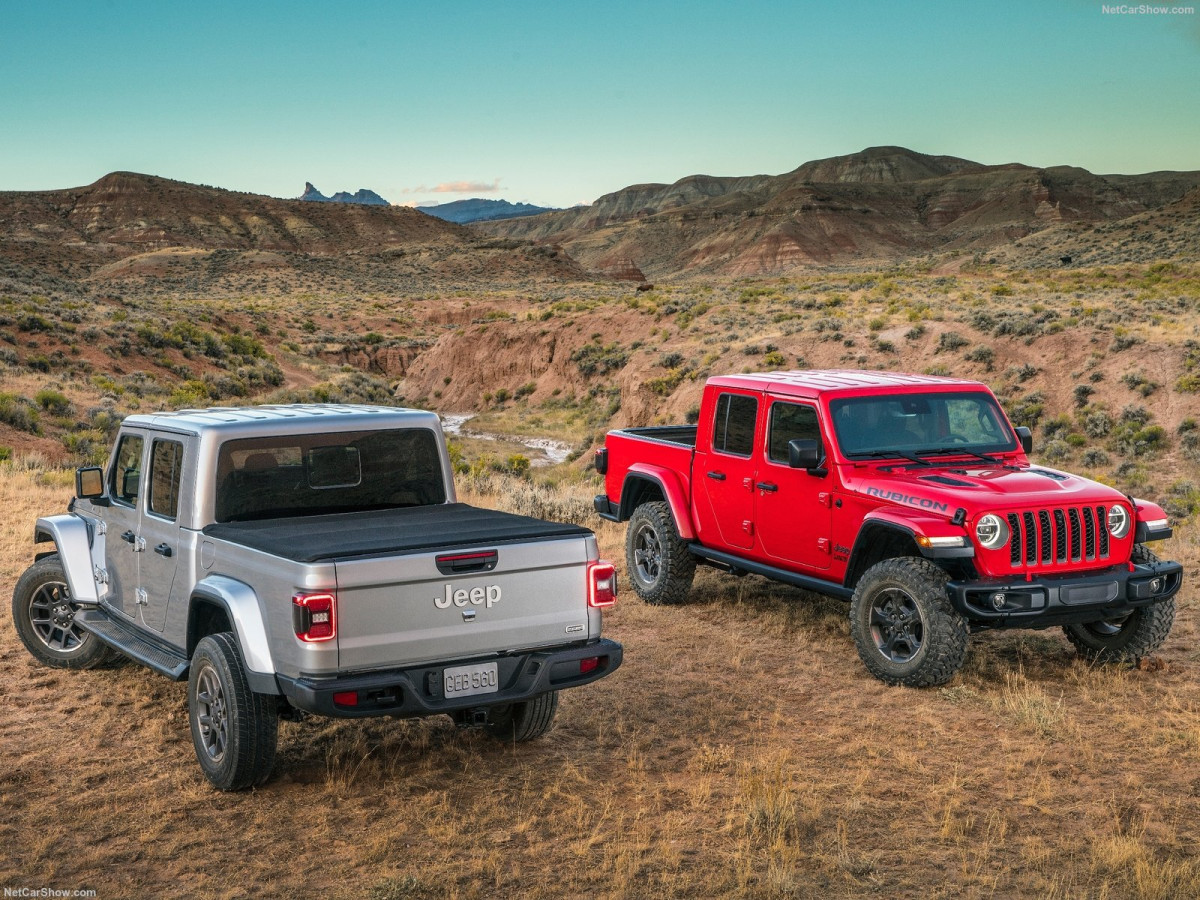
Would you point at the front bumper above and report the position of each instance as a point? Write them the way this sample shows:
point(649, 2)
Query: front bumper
point(417, 691)
point(1065, 600)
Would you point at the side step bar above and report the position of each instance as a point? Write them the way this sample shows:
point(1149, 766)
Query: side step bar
point(122, 637)
point(738, 565)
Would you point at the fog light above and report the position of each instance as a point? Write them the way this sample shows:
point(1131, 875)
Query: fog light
point(998, 601)
point(1156, 586)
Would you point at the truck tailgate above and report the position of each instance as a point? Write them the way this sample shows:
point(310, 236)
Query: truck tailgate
point(403, 610)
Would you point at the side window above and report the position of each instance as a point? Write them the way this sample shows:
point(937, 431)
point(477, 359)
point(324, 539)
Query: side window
point(166, 465)
point(126, 476)
point(733, 426)
point(789, 422)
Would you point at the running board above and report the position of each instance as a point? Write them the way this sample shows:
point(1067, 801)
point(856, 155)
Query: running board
point(740, 564)
point(126, 639)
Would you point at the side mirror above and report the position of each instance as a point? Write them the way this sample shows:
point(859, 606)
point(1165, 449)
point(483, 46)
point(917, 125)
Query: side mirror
point(89, 482)
point(804, 453)
point(1025, 436)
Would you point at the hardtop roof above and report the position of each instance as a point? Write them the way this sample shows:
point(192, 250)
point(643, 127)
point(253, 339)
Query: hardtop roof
point(815, 382)
point(285, 417)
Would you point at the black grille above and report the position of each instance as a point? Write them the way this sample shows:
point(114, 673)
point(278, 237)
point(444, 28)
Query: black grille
point(1049, 536)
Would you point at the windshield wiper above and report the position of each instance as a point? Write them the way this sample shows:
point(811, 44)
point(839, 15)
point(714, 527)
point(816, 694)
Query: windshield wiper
point(891, 454)
point(961, 451)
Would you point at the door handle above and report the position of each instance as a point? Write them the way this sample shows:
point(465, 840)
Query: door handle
point(716, 476)
point(766, 486)
point(128, 537)
point(163, 550)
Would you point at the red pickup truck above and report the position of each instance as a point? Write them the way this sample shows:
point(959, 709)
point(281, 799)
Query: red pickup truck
point(911, 496)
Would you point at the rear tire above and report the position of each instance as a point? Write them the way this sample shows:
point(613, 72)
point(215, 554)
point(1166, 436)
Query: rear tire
point(1128, 639)
point(234, 730)
point(44, 614)
point(904, 626)
point(523, 721)
point(657, 559)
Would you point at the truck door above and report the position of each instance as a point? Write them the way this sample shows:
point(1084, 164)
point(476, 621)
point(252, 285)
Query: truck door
point(723, 470)
point(121, 522)
point(793, 508)
point(159, 529)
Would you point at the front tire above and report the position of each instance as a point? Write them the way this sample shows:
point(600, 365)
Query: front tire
point(904, 626)
point(523, 721)
point(657, 559)
point(44, 614)
point(1128, 639)
point(234, 730)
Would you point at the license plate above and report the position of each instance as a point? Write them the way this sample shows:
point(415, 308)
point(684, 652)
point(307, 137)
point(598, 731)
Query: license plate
point(463, 681)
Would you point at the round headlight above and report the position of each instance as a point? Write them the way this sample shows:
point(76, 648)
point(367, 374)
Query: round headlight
point(1118, 521)
point(992, 531)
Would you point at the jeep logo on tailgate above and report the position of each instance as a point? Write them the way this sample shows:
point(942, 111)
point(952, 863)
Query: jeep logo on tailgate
point(478, 596)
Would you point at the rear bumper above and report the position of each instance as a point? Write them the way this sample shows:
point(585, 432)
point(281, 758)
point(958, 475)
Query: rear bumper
point(1065, 600)
point(417, 691)
point(606, 508)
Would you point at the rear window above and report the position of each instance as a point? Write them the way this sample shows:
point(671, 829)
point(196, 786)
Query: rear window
point(313, 474)
point(733, 424)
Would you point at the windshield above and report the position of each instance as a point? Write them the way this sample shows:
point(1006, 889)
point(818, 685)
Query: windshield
point(916, 424)
point(312, 474)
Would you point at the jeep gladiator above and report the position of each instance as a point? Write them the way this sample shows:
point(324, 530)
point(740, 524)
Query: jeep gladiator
point(910, 496)
point(312, 558)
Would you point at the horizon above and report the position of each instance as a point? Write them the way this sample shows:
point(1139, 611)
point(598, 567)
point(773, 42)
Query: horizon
point(556, 107)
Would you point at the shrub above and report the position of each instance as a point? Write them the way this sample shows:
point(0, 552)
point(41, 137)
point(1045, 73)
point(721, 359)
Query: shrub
point(52, 401)
point(597, 359)
point(774, 358)
point(525, 390)
point(1095, 458)
point(951, 340)
point(19, 413)
point(5, 453)
point(1081, 393)
point(985, 355)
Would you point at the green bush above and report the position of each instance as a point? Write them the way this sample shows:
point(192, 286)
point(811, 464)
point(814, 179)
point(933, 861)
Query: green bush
point(19, 413)
point(52, 401)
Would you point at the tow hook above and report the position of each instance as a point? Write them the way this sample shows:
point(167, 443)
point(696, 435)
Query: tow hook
point(472, 718)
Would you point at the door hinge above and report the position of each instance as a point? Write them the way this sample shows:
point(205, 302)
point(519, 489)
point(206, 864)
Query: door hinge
point(748, 483)
point(824, 499)
point(101, 575)
point(747, 526)
point(139, 545)
point(140, 597)
point(823, 544)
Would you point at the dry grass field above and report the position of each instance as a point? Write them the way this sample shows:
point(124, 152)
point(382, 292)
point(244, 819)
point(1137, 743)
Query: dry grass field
point(741, 750)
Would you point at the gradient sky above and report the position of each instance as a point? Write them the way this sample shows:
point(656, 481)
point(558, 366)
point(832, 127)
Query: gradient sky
point(557, 103)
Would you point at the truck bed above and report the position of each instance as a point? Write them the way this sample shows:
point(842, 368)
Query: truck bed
point(672, 434)
point(417, 529)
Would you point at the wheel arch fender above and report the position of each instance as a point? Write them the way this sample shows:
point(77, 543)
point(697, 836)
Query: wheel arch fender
point(642, 476)
point(886, 534)
point(71, 538)
point(240, 604)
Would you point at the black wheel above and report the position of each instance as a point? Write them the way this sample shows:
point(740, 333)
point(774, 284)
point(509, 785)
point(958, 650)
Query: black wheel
point(45, 618)
point(1129, 638)
point(523, 721)
point(234, 730)
point(656, 557)
point(903, 625)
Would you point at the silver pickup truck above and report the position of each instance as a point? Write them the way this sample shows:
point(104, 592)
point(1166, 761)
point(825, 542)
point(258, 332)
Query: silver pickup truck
point(313, 558)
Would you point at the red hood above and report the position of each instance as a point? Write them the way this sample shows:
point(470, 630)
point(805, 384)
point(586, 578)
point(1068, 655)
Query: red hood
point(977, 488)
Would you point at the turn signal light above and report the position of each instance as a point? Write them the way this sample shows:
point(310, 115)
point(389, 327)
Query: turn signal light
point(602, 584)
point(314, 617)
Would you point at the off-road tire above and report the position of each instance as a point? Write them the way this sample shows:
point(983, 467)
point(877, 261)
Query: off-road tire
point(517, 722)
point(44, 615)
point(905, 599)
point(237, 750)
point(1130, 639)
point(657, 559)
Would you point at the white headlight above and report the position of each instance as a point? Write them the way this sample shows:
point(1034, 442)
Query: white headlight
point(1118, 520)
point(992, 531)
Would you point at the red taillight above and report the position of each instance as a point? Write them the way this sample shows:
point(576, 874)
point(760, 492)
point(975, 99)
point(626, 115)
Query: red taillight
point(591, 664)
point(314, 617)
point(602, 584)
point(346, 698)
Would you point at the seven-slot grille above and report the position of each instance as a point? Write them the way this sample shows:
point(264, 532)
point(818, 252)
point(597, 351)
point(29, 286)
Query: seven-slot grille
point(1058, 536)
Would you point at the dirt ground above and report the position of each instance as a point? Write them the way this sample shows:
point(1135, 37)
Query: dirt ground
point(742, 750)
